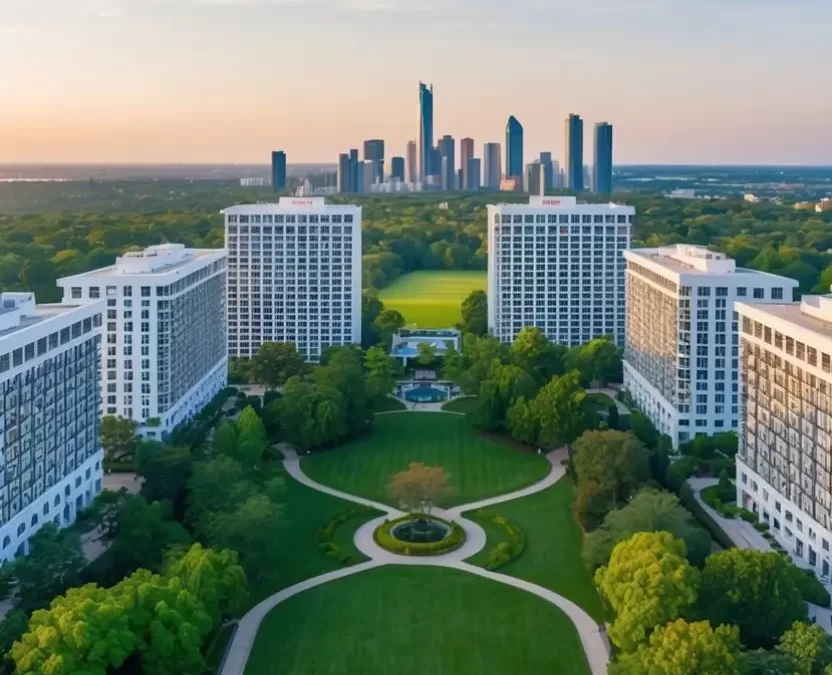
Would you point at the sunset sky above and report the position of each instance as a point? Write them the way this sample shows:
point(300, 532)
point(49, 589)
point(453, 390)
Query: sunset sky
point(683, 81)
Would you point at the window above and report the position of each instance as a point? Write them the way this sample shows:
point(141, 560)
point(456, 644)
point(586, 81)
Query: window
point(742, 291)
point(776, 293)
point(76, 292)
point(759, 293)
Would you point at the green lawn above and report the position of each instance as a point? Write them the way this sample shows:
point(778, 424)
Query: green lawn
point(461, 405)
point(553, 546)
point(432, 299)
point(479, 467)
point(388, 404)
point(414, 621)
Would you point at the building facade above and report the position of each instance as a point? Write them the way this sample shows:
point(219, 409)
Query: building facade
point(472, 174)
point(557, 264)
point(374, 152)
point(681, 355)
point(426, 167)
point(603, 159)
point(49, 370)
point(514, 148)
point(533, 183)
point(294, 275)
point(397, 169)
point(491, 166)
point(784, 464)
point(278, 170)
point(447, 156)
point(412, 163)
point(547, 167)
point(466, 153)
point(164, 354)
point(574, 148)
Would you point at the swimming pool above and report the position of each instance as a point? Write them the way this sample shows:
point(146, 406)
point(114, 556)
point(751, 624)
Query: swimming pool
point(426, 395)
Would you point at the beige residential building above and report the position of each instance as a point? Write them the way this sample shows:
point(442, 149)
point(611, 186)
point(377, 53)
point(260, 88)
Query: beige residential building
point(784, 466)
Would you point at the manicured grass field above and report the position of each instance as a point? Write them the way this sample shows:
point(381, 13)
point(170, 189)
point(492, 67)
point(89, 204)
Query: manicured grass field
point(432, 299)
point(552, 558)
point(461, 405)
point(413, 621)
point(389, 404)
point(479, 467)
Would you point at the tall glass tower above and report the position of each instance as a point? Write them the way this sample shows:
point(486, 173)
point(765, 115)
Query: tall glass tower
point(278, 170)
point(514, 148)
point(426, 167)
point(603, 158)
point(574, 146)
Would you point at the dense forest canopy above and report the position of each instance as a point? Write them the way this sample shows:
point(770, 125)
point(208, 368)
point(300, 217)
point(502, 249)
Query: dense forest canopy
point(49, 230)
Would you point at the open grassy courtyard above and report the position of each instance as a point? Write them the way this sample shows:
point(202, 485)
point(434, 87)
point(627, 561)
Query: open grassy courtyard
point(413, 621)
point(432, 299)
point(479, 467)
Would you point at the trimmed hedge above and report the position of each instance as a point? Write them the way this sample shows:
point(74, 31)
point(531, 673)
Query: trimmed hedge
point(811, 589)
point(687, 498)
point(710, 495)
point(326, 534)
point(505, 551)
point(453, 540)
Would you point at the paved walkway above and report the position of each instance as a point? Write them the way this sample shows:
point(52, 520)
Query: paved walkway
point(740, 532)
point(593, 639)
point(612, 393)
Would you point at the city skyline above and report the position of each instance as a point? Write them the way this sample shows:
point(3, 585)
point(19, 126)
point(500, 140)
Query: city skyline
point(673, 98)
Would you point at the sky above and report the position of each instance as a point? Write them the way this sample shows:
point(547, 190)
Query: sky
point(682, 81)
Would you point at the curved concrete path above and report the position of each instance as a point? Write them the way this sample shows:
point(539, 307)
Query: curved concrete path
point(595, 644)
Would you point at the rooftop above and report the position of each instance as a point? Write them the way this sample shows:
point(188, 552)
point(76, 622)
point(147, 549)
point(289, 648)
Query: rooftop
point(813, 313)
point(287, 203)
point(18, 311)
point(159, 259)
point(563, 202)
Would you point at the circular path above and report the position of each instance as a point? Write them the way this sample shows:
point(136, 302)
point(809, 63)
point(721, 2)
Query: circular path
point(593, 640)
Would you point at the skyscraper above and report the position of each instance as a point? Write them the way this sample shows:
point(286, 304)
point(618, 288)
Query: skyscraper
point(447, 153)
point(374, 152)
point(472, 174)
point(491, 166)
point(397, 169)
point(278, 170)
point(425, 131)
point(355, 183)
point(574, 148)
point(603, 158)
point(514, 148)
point(412, 163)
point(533, 179)
point(547, 169)
point(343, 180)
point(466, 152)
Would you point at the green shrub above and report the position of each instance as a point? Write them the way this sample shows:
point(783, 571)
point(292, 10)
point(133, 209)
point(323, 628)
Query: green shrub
point(811, 589)
point(748, 516)
point(680, 471)
point(119, 467)
point(326, 534)
point(453, 540)
point(505, 551)
point(761, 527)
point(687, 498)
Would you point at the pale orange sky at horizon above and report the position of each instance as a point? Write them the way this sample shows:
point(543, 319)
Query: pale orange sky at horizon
point(230, 80)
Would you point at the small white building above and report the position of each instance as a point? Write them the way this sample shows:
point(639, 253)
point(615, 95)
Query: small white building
point(164, 355)
point(681, 355)
point(557, 264)
point(49, 356)
point(784, 464)
point(294, 275)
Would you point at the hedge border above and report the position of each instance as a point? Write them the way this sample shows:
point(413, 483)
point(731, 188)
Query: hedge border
point(687, 498)
point(503, 552)
point(453, 540)
point(326, 535)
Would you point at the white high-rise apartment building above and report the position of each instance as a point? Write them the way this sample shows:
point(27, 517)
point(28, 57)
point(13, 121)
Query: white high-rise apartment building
point(784, 465)
point(51, 466)
point(557, 264)
point(681, 356)
point(164, 352)
point(294, 275)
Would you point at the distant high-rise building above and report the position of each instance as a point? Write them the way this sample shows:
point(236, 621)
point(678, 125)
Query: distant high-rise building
point(466, 152)
point(412, 163)
point(603, 158)
point(557, 175)
point(397, 169)
point(426, 167)
point(587, 177)
point(533, 181)
point(574, 148)
point(435, 175)
point(514, 148)
point(366, 176)
point(374, 152)
point(278, 170)
point(355, 183)
point(343, 180)
point(547, 169)
point(447, 153)
point(491, 166)
point(472, 174)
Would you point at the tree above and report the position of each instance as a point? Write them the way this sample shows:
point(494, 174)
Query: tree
point(522, 422)
point(644, 429)
point(598, 361)
point(344, 371)
point(380, 374)
point(53, 564)
point(311, 415)
point(12, 627)
point(216, 485)
point(388, 323)
point(225, 439)
point(809, 646)
point(420, 487)
point(648, 582)
point(166, 470)
point(753, 590)
point(648, 511)
point(504, 384)
point(427, 354)
point(251, 438)
point(118, 438)
point(762, 662)
point(682, 648)
point(475, 313)
point(615, 460)
point(532, 351)
point(562, 411)
point(276, 362)
point(371, 307)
